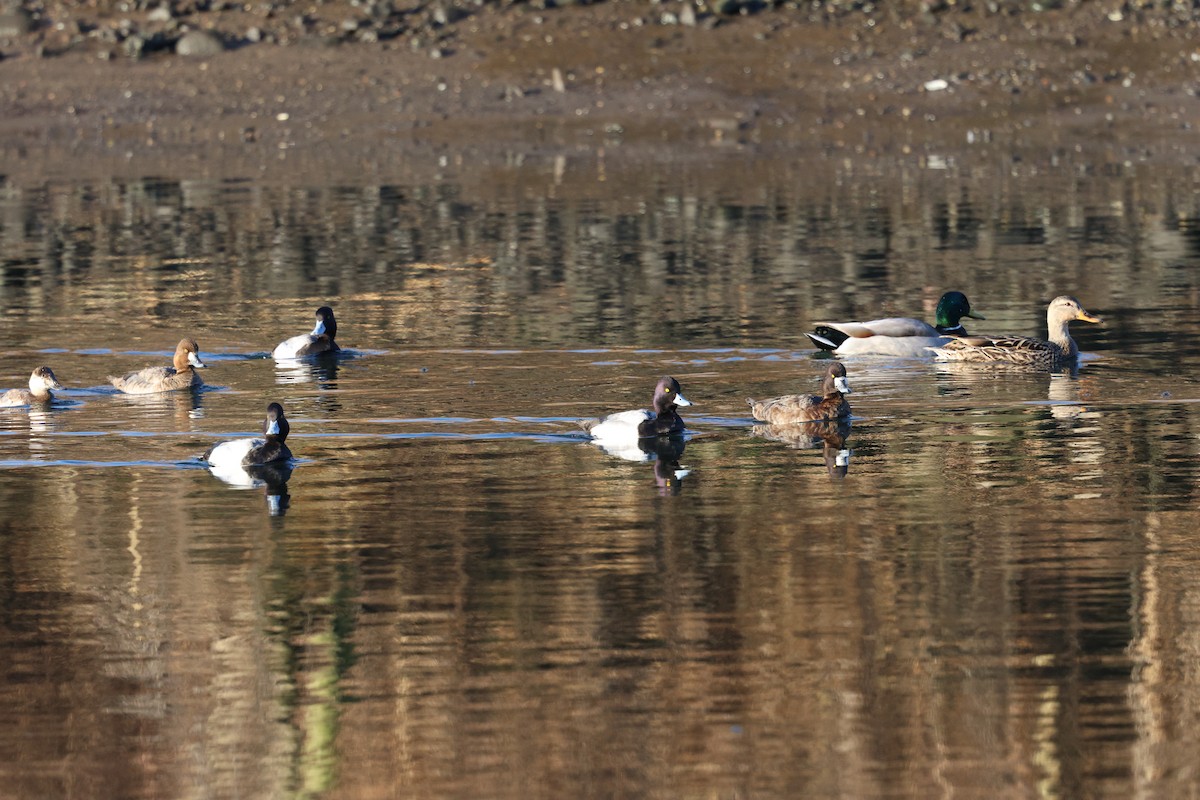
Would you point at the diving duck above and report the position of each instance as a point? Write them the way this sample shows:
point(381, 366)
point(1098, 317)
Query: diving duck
point(181, 375)
point(271, 447)
point(642, 423)
point(41, 381)
point(807, 408)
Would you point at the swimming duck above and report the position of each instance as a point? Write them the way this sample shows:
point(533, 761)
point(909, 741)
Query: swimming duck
point(806, 408)
point(896, 336)
point(321, 340)
point(41, 381)
point(644, 423)
point(165, 379)
point(250, 452)
point(1059, 349)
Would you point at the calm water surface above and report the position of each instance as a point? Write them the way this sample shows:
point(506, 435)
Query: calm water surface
point(454, 594)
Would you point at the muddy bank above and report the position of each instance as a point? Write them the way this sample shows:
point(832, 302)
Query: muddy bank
point(637, 78)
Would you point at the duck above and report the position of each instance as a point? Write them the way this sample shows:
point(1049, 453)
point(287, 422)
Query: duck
point(896, 336)
point(321, 340)
point(1024, 351)
point(644, 423)
point(41, 381)
point(792, 408)
point(165, 379)
point(253, 452)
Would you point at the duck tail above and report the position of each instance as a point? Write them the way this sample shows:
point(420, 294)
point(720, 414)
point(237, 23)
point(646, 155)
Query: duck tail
point(827, 338)
point(588, 424)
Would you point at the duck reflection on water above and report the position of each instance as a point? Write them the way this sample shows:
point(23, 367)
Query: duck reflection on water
point(829, 435)
point(665, 453)
point(321, 369)
point(273, 478)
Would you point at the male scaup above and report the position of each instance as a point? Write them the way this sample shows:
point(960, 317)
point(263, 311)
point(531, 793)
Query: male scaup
point(321, 340)
point(41, 381)
point(250, 452)
point(644, 423)
point(165, 379)
point(806, 408)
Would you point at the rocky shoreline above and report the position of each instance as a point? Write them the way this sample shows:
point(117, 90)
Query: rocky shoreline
point(227, 86)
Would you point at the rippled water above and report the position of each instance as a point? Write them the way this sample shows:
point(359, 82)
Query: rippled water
point(454, 594)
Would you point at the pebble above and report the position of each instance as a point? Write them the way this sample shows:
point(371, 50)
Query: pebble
point(199, 43)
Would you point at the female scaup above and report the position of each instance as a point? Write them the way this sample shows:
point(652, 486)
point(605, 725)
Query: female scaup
point(644, 423)
point(165, 379)
point(41, 381)
point(249, 452)
point(321, 340)
point(806, 408)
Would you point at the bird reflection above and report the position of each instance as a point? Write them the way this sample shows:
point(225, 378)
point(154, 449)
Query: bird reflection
point(664, 451)
point(273, 477)
point(186, 405)
point(320, 369)
point(1068, 394)
point(829, 435)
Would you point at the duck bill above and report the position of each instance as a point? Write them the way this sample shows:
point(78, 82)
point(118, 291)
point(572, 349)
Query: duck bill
point(1086, 317)
point(974, 315)
point(680, 400)
point(320, 329)
point(273, 428)
point(195, 361)
point(842, 385)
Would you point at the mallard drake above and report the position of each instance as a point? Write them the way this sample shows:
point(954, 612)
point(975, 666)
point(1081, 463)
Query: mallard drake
point(1024, 351)
point(896, 336)
point(41, 381)
point(807, 408)
point(643, 423)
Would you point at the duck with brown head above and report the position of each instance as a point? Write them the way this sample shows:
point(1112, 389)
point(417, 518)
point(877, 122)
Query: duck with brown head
point(182, 375)
point(790, 408)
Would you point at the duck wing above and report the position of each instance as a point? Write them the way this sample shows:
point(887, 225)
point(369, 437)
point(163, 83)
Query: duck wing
point(988, 349)
point(789, 408)
point(888, 326)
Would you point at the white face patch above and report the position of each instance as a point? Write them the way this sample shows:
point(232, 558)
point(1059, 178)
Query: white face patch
point(320, 329)
point(195, 361)
point(273, 428)
point(680, 400)
point(842, 385)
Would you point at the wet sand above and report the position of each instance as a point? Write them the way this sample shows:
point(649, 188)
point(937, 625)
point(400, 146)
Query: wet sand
point(516, 82)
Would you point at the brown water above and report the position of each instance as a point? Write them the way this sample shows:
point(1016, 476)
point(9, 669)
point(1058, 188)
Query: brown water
point(454, 594)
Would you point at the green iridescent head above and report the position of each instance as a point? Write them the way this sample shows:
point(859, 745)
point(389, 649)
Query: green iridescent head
point(952, 308)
